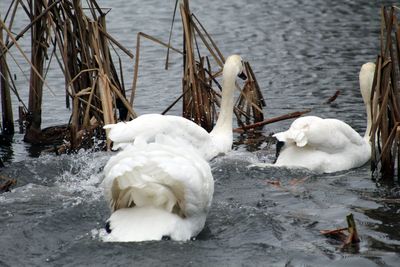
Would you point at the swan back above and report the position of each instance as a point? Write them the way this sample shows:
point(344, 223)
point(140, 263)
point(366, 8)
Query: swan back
point(147, 127)
point(329, 135)
point(165, 180)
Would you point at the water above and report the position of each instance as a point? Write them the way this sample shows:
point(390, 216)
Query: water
point(301, 52)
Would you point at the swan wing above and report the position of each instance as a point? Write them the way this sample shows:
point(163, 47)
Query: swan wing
point(147, 127)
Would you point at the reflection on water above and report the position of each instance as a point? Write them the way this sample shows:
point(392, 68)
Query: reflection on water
point(301, 52)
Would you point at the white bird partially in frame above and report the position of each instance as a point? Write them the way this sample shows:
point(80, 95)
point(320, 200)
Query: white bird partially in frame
point(209, 145)
point(328, 145)
point(159, 190)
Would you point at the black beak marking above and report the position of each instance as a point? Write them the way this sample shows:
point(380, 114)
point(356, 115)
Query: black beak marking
point(108, 228)
point(279, 146)
point(165, 237)
point(242, 76)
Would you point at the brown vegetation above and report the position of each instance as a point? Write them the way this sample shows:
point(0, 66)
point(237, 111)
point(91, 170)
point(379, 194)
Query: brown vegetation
point(386, 100)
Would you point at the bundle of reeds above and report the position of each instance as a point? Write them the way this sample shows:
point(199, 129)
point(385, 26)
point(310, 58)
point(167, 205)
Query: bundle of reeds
point(386, 99)
point(200, 88)
point(82, 47)
point(200, 101)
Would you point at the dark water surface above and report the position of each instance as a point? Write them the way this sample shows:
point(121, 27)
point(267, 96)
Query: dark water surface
point(302, 52)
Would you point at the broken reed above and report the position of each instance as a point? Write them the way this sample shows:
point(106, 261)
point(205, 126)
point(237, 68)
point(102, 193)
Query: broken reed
point(385, 132)
point(82, 47)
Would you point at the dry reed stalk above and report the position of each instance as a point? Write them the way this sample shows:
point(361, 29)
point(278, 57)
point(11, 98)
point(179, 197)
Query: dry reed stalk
point(137, 59)
point(272, 120)
point(7, 123)
point(190, 81)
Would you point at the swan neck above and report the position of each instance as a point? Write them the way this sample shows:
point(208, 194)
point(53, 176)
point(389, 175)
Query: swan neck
point(366, 79)
point(224, 122)
point(367, 134)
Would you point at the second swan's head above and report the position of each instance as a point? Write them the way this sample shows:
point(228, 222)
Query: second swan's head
point(234, 65)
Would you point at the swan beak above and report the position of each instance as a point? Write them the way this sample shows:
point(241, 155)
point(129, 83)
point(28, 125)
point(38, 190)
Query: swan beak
point(279, 146)
point(108, 227)
point(242, 76)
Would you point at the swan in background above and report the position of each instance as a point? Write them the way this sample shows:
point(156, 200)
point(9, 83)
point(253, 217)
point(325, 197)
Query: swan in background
point(156, 191)
point(328, 145)
point(219, 140)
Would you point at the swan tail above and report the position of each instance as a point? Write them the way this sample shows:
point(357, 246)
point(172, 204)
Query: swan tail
point(134, 189)
point(145, 224)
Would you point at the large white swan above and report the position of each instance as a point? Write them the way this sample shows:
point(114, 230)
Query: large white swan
point(219, 140)
point(157, 190)
point(328, 145)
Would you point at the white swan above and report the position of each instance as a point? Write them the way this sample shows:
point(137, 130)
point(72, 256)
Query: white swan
point(157, 190)
point(328, 145)
point(219, 140)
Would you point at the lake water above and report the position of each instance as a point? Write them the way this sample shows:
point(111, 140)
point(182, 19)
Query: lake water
point(301, 52)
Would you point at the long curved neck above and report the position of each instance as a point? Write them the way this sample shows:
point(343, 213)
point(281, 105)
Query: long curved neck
point(224, 122)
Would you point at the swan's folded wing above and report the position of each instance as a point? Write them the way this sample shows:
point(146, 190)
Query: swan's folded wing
point(328, 135)
point(332, 136)
point(147, 127)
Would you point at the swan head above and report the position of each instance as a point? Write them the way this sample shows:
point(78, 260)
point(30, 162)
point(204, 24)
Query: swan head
point(366, 79)
point(234, 65)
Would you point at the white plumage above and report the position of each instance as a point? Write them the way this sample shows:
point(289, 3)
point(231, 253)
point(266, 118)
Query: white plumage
point(328, 145)
point(157, 189)
point(209, 145)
